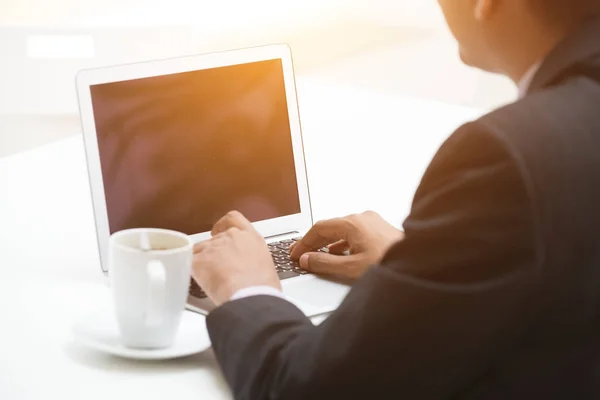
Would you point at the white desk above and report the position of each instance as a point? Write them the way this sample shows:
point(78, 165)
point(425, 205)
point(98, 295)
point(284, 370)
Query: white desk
point(364, 150)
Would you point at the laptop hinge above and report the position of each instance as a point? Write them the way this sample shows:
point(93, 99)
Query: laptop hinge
point(282, 235)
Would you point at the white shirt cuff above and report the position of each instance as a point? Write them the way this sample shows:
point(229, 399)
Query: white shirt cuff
point(257, 291)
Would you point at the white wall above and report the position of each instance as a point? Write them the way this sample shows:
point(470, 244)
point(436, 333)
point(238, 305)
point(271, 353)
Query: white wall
point(112, 32)
point(406, 13)
point(359, 42)
point(119, 31)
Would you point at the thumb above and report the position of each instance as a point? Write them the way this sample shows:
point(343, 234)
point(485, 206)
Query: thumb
point(329, 264)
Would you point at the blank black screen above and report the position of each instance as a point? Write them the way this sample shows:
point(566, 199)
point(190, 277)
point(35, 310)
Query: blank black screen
point(180, 151)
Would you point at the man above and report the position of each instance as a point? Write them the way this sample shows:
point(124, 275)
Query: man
point(494, 290)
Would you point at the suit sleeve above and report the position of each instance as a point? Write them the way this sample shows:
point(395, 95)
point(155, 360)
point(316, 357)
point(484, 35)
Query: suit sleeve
point(440, 310)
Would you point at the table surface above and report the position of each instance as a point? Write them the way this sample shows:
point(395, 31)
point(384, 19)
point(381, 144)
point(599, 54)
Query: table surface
point(364, 150)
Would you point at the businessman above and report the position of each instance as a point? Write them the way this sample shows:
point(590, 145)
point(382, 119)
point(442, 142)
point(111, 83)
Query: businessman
point(493, 289)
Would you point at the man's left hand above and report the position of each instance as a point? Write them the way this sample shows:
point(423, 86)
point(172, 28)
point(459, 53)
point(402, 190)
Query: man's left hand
point(235, 258)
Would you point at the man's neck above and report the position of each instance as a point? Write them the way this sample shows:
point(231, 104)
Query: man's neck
point(523, 67)
point(532, 53)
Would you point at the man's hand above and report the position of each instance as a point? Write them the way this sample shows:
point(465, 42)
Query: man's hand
point(366, 237)
point(235, 258)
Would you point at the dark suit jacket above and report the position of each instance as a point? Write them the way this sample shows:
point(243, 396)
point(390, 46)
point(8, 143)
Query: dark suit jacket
point(494, 293)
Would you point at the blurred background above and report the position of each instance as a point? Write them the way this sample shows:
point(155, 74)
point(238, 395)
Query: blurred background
point(395, 46)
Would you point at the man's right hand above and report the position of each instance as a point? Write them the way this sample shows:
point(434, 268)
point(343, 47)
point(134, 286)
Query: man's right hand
point(366, 237)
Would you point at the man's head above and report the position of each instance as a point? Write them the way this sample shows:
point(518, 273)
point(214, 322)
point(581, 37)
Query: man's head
point(509, 36)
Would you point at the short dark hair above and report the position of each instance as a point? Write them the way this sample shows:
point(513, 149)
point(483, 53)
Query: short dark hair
point(565, 11)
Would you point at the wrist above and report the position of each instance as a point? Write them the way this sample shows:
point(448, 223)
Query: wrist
point(256, 291)
point(233, 292)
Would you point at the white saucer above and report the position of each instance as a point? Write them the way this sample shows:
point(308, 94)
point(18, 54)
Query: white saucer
point(100, 331)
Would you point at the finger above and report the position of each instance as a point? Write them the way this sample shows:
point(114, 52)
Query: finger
point(322, 234)
point(198, 263)
point(328, 264)
point(339, 248)
point(197, 260)
point(293, 246)
point(205, 244)
point(233, 219)
point(201, 246)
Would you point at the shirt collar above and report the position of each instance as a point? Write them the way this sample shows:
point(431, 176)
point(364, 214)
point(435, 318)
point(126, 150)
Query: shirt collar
point(527, 79)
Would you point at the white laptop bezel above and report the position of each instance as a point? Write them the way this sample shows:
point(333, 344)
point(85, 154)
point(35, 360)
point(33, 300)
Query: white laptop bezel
point(85, 79)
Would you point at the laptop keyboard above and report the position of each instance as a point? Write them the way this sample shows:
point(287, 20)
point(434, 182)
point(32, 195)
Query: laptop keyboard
point(286, 267)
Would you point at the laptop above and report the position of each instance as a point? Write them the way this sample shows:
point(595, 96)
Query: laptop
point(178, 143)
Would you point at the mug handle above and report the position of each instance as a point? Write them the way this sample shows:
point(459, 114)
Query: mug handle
point(155, 301)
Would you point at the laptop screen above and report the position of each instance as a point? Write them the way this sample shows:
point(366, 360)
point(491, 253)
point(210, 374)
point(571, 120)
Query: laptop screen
point(180, 151)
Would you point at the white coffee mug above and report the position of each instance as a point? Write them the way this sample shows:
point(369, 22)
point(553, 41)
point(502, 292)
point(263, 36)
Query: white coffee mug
point(149, 271)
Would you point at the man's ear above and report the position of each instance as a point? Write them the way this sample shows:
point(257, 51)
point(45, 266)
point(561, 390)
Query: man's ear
point(484, 9)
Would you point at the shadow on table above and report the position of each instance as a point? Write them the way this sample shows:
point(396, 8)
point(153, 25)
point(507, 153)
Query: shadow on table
point(108, 363)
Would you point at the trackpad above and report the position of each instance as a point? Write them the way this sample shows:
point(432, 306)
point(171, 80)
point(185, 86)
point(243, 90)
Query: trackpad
point(314, 295)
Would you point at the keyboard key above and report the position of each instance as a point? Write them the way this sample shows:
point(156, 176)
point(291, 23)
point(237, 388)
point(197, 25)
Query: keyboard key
point(287, 274)
point(286, 267)
point(196, 290)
